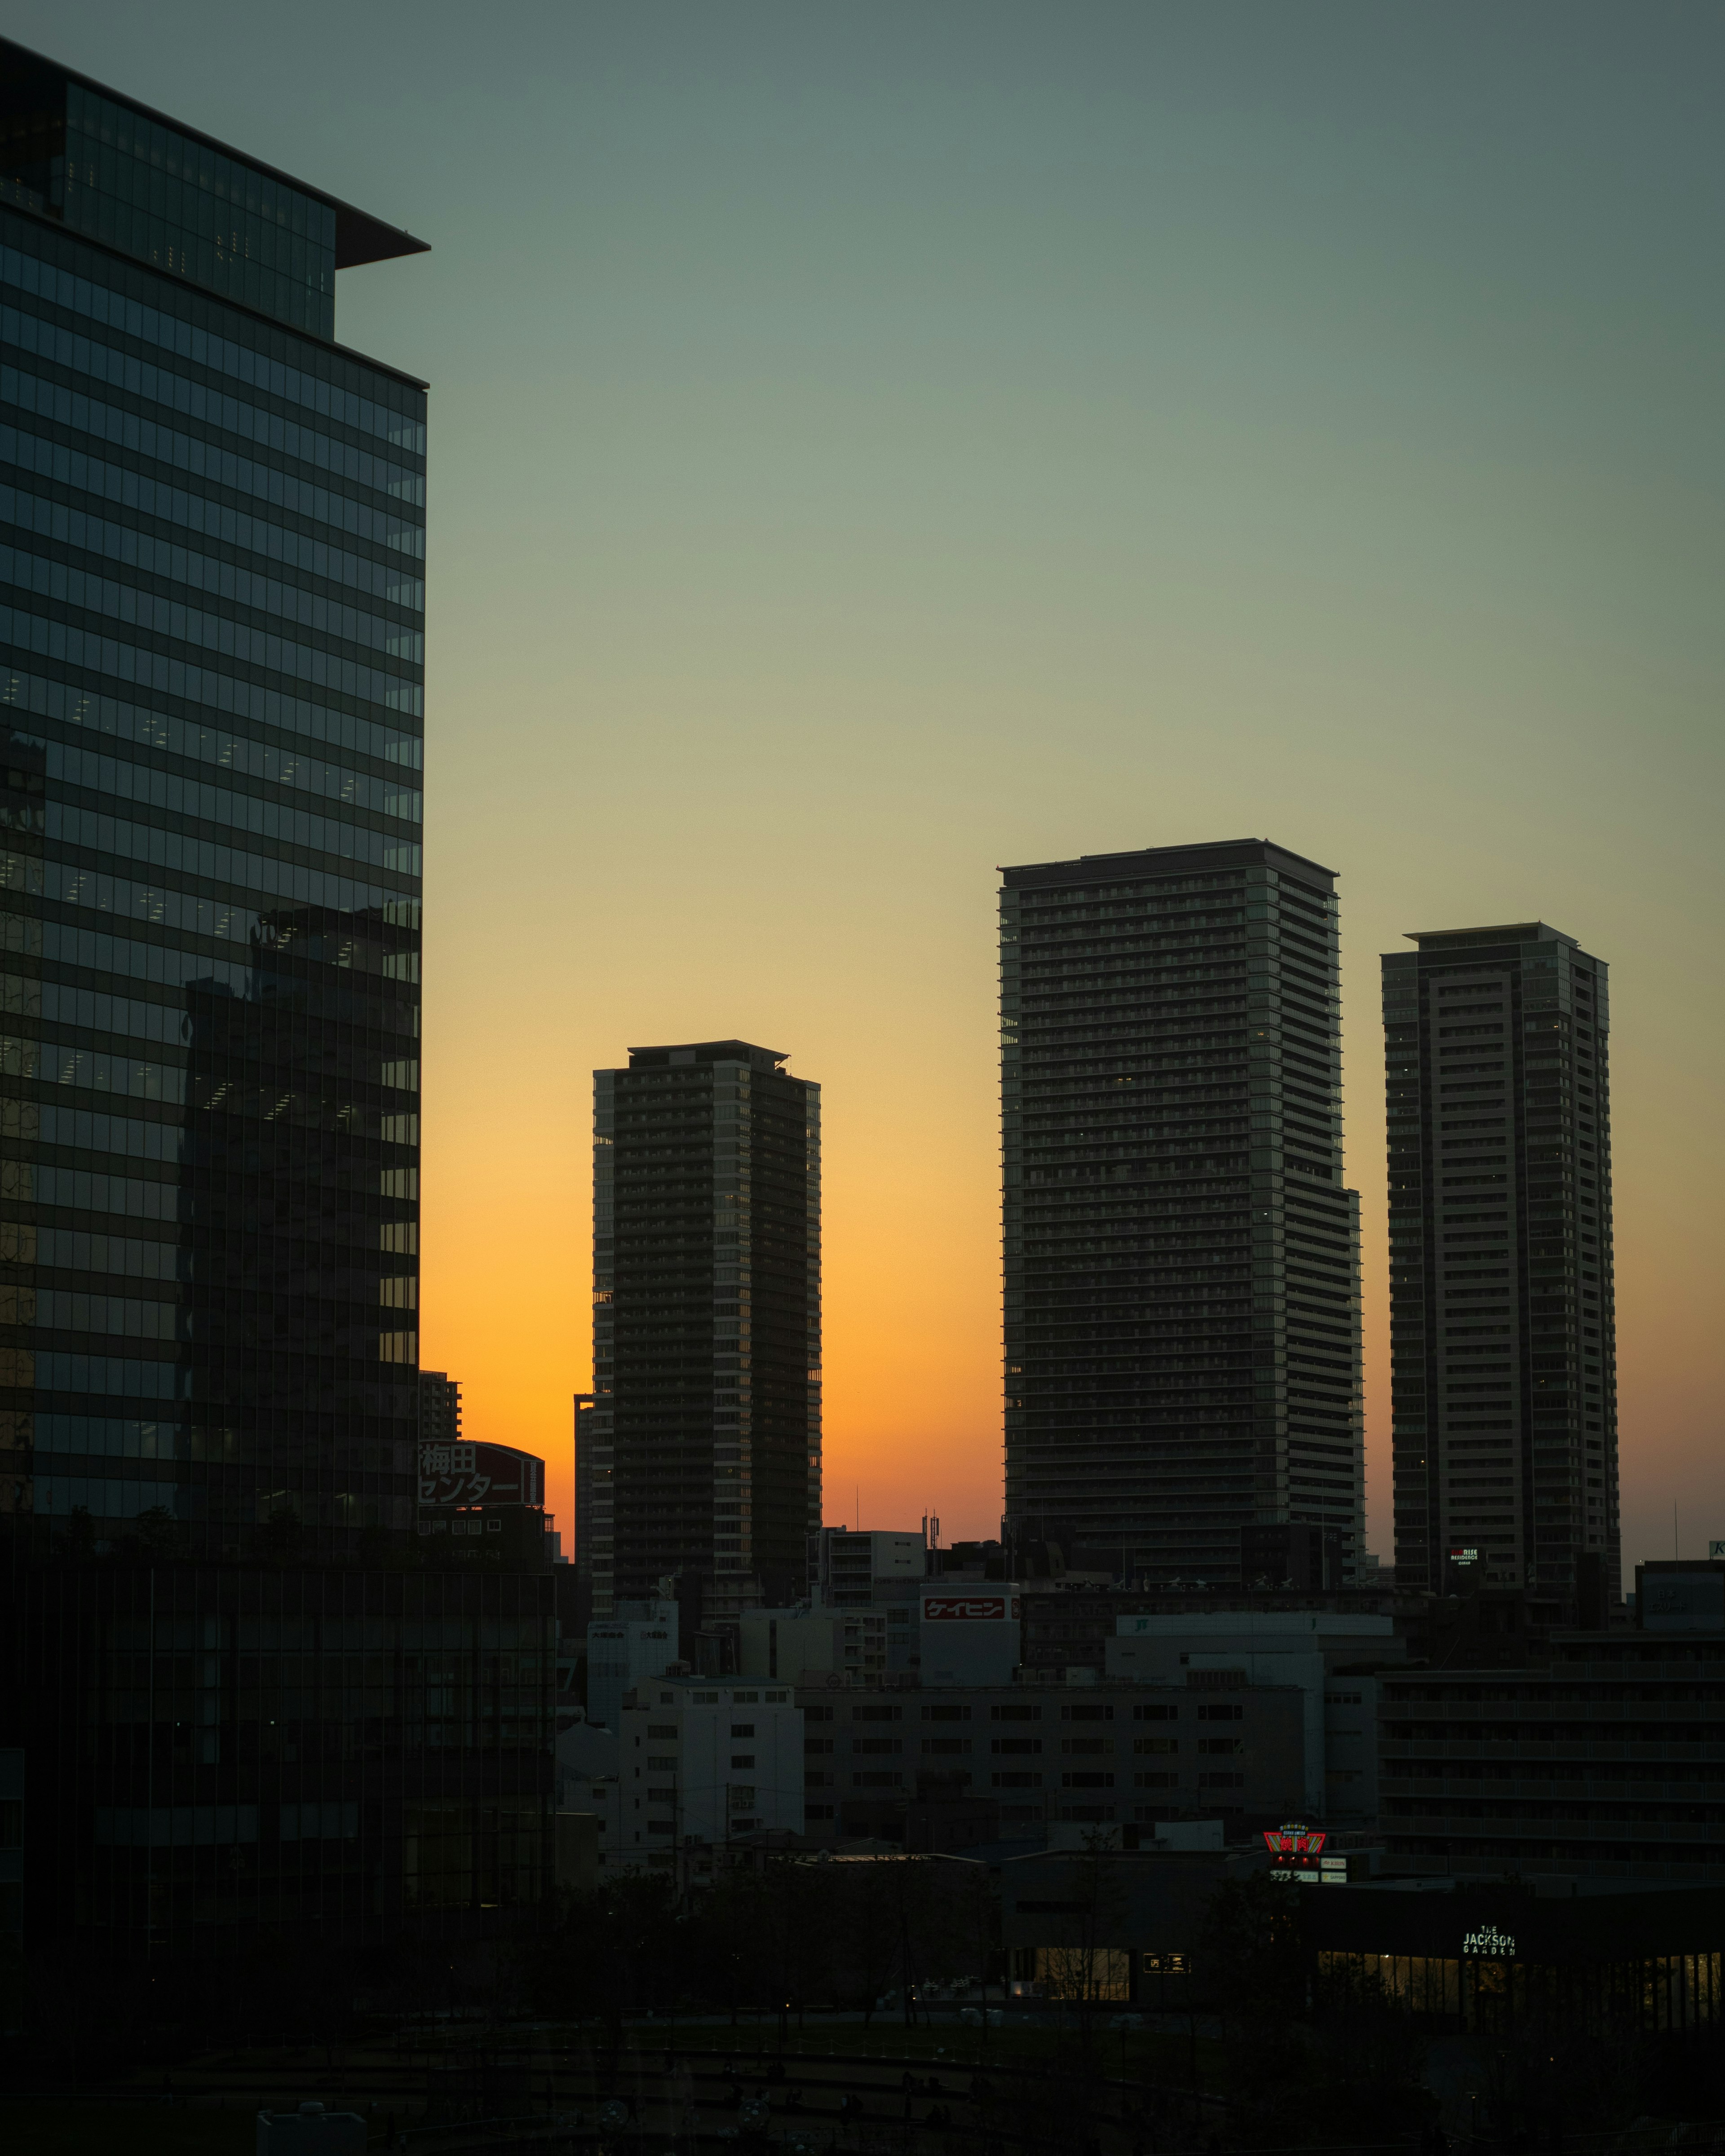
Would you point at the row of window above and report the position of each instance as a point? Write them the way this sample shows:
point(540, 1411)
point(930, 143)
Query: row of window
point(205, 406)
point(43, 578)
point(246, 755)
point(172, 967)
point(81, 706)
point(369, 912)
point(208, 462)
point(267, 874)
point(229, 528)
point(220, 575)
point(114, 309)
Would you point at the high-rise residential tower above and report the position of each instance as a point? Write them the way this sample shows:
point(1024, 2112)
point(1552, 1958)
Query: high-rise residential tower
point(1499, 1222)
point(212, 542)
point(704, 1426)
point(1181, 1259)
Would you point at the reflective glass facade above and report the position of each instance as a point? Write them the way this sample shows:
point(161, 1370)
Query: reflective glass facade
point(703, 1439)
point(243, 1693)
point(1503, 1336)
point(1181, 1259)
point(211, 895)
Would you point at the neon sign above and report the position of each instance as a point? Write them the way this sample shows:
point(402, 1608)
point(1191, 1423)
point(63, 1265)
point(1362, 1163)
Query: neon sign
point(1489, 1943)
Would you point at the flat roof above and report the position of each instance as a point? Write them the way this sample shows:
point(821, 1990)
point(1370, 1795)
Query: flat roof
point(360, 237)
point(1509, 932)
point(1151, 861)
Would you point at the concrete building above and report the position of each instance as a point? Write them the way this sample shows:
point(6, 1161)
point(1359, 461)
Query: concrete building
point(702, 1761)
point(705, 1427)
point(1181, 1253)
point(1095, 1754)
point(969, 1635)
point(854, 1568)
point(1605, 1763)
point(805, 1647)
point(1329, 1657)
point(639, 1640)
point(1502, 1320)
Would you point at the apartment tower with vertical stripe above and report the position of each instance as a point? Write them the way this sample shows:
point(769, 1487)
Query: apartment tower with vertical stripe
point(1502, 1322)
point(1182, 1255)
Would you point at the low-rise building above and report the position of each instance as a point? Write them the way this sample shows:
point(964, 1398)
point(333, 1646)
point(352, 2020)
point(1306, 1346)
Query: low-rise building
point(810, 1645)
point(1067, 1627)
point(1607, 1762)
point(705, 1762)
point(638, 1640)
point(849, 1567)
point(1095, 1754)
point(1331, 1656)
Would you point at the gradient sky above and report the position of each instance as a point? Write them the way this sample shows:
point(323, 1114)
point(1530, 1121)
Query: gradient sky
point(873, 444)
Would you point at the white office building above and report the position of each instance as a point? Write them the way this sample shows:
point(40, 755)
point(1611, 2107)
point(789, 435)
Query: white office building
point(1329, 1656)
point(638, 1642)
point(707, 1761)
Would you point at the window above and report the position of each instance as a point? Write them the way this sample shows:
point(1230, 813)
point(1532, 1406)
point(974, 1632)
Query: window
point(742, 1729)
point(1221, 1714)
point(946, 1714)
point(1221, 1781)
point(745, 1699)
point(1015, 1714)
point(662, 1729)
point(1086, 1714)
point(1017, 1781)
point(661, 1766)
point(744, 1759)
point(876, 1713)
point(1019, 1745)
point(1223, 1745)
point(1093, 1746)
point(876, 1744)
point(1143, 1744)
point(817, 1744)
point(945, 1744)
point(1156, 1781)
point(1156, 1714)
point(1086, 1781)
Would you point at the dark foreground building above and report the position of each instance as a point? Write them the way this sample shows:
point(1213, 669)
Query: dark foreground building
point(703, 1438)
point(1182, 1257)
point(241, 1695)
point(1607, 1763)
point(1502, 1320)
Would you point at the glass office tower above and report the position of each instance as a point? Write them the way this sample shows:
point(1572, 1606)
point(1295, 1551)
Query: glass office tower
point(1182, 1259)
point(212, 542)
point(1503, 1325)
point(704, 1426)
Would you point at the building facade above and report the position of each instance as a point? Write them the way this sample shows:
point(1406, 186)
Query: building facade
point(706, 1763)
point(704, 1425)
point(243, 1698)
point(1502, 1322)
point(211, 648)
point(1092, 1755)
point(1182, 1260)
point(1605, 1764)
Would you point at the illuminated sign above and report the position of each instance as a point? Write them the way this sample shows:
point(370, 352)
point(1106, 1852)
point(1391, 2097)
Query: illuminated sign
point(967, 1608)
point(1488, 1942)
point(1296, 1851)
point(1160, 1964)
point(480, 1475)
point(1468, 1556)
point(1715, 1550)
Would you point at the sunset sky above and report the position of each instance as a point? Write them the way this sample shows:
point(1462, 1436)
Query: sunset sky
point(873, 444)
